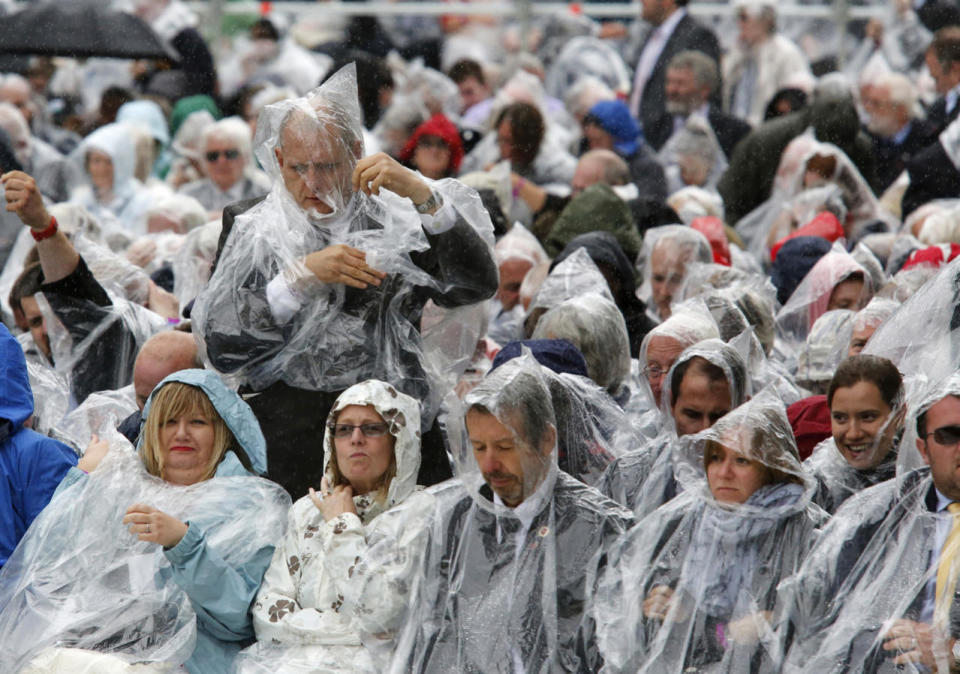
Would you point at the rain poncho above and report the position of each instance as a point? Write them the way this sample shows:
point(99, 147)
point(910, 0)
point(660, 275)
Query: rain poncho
point(876, 562)
point(666, 252)
point(264, 317)
point(838, 480)
point(645, 479)
point(574, 276)
point(825, 347)
point(31, 465)
point(504, 589)
point(80, 580)
point(317, 598)
point(126, 205)
point(719, 562)
point(522, 249)
point(597, 208)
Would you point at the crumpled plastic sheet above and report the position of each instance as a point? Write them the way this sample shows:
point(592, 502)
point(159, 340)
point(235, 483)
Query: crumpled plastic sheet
point(668, 250)
point(872, 316)
point(825, 347)
point(114, 272)
point(695, 141)
point(51, 397)
point(587, 56)
point(870, 567)
point(922, 337)
point(645, 478)
point(498, 603)
point(719, 563)
point(194, 260)
point(577, 275)
point(79, 579)
point(594, 325)
point(520, 244)
point(812, 298)
point(333, 335)
point(99, 414)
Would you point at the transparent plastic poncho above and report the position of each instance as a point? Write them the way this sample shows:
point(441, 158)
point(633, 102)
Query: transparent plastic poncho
point(320, 336)
point(825, 347)
point(587, 57)
point(812, 298)
point(80, 580)
point(876, 562)
point(666, 252)
point(693, 586)
point(504, 589)
point(646, 478)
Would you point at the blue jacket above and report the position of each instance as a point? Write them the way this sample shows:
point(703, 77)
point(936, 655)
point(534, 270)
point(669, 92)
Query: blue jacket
point(31, 465)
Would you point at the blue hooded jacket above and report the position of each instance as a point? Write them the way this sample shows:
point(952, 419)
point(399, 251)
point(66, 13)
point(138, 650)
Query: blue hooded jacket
point(31, 465)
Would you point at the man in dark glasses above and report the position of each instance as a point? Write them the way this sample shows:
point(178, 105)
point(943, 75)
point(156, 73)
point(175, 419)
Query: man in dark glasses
point(880, 589)
point(226, 161)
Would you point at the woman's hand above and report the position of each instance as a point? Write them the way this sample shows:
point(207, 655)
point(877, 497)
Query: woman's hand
point(747, 630)
point(154, 526)
point(93, 455)
point(658, 602)
point(335, 502)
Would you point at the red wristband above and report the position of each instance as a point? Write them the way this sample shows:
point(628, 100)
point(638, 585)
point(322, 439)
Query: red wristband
point(45, 233)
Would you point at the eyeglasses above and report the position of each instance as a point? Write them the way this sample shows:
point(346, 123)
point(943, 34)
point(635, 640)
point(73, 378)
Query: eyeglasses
point(945, 436)
point(653, 372)
point(215, 155)
point(372, 430)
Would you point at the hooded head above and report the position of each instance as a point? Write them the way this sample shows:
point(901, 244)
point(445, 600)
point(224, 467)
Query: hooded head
point(16, 404)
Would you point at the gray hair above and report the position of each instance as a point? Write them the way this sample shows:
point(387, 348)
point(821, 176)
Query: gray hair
point(232, 129)
point(615, 169)
point(585, 93)
point(900, 88)
point(704, 68)
point(516, 392)
point(593, 324)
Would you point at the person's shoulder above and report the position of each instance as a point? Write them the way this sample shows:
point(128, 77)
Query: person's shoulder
point(586, 502)
point(31, 445)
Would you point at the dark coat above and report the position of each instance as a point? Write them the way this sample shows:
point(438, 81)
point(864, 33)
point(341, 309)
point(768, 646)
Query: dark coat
point(932, 176)
point(748, 180)
point(689, 34)
point(728, 129)
point(938, 117)
point(892, 158)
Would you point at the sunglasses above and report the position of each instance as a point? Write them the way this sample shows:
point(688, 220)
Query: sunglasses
point(371, 430)
point(215, 155)
point(946, 436)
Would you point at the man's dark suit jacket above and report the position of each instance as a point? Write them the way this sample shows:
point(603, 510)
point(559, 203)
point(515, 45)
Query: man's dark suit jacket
point(687, 35)
point(932, 176)
point(728, 129)
point(938, 116)
point(892, 159)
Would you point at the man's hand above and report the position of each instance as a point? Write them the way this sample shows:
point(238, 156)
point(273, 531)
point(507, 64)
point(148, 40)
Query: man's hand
point(161, 302)
point(748, 629)
point(154, 526)
point(658, 603)
point(335, 502)
point(342, 264)
point(918, 642)
point(383, 171)
point(24, 199)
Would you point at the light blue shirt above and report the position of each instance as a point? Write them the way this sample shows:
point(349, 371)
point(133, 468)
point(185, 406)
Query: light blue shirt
point(944, 524)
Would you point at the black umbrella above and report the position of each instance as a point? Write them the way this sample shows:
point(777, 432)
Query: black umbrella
point(80, 29)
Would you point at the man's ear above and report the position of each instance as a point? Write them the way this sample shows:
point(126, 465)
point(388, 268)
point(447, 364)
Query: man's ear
point(279, 155)
point(922, 448)
point(549, 440)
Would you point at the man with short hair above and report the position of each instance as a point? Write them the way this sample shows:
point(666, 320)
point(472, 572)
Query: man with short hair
point(298, 310)
point(674, 31)
point(892, 123)
point(514, 546)
point(468, 75)
point(903, 534)
point(692, 80)
point(704, 383)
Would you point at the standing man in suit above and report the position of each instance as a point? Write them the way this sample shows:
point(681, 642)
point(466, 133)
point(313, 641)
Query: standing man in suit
point(692, 79)
point(674, 31)
point(943, 62)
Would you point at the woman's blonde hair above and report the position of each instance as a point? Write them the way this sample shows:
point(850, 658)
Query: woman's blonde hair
point(171, 401)
point(338, 478)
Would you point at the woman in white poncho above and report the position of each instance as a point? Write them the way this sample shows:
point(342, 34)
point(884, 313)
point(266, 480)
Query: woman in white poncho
point(317, 600)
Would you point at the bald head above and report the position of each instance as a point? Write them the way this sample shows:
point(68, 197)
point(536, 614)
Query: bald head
point(15, 90)
point(160, 356)
point(599, 166)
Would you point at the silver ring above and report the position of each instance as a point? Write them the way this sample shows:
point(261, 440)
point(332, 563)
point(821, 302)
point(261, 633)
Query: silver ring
point(148, 529)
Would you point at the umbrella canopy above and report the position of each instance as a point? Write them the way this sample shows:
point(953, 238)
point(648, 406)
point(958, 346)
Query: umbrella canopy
point(80, 29)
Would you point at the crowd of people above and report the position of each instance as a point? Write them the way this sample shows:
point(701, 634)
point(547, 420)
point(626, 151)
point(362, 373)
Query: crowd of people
point(454, 345)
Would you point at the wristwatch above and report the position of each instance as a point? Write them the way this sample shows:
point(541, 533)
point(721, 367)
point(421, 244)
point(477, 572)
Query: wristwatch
point(432, 203)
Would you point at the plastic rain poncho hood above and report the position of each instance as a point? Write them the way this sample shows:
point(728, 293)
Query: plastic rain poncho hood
point(321, 606)
point(669, 249)
point(503, 589)
point(80, 580)
point(719, 561)
point(264, 317)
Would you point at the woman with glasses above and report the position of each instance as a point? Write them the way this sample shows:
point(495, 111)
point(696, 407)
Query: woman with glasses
point(317, 600)
point(227, 161)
